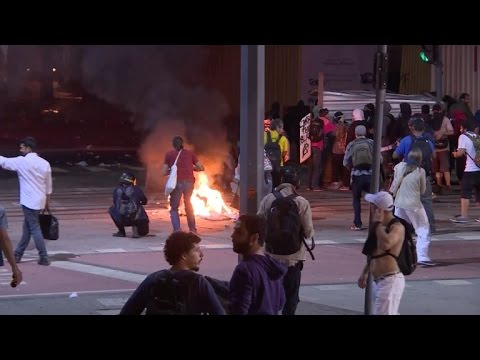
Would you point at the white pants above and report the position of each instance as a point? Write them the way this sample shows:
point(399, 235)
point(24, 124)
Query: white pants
point(418, 218)
point(388, 293)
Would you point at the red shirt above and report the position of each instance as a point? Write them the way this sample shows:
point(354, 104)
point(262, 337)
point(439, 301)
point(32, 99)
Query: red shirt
point(185, 163)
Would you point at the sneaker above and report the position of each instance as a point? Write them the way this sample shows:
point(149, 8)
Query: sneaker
point(43, 261)
point(118, 234)
point(18, 259)
point(426, 263)
point(135, 234)
point(459, 220)
point(355, 228)
point(343, 188)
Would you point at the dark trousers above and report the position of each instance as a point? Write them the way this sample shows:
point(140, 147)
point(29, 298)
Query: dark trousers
point(359, 184)
point(120, 222)
point(315, 166)
point(340, 172)
point(291, 284)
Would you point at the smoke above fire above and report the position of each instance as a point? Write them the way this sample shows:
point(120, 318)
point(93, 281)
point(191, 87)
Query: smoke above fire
point(160, 86)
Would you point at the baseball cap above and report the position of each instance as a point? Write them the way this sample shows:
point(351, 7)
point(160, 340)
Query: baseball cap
point(382, 199)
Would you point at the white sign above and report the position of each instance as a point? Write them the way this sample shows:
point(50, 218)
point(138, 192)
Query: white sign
point(305, 143)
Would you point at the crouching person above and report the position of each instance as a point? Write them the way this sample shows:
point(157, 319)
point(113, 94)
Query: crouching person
point(127, 208)
point(178, 290)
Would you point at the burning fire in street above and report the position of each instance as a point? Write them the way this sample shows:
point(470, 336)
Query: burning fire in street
point(207, 202)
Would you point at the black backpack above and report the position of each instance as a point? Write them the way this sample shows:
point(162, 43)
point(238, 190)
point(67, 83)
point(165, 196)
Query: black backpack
point(126, 206)
point(284, 235)
point(407, 259)
point(273, 151)
point(315, 133)
point(169, 295)
point(423, 144)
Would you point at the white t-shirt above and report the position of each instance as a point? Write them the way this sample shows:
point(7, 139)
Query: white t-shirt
point(465, 143)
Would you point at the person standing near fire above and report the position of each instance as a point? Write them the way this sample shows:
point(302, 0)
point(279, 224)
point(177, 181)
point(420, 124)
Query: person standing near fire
point(187, 163)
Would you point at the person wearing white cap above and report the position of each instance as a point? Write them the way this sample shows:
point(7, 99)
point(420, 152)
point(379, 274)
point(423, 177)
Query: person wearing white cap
point(385, 240)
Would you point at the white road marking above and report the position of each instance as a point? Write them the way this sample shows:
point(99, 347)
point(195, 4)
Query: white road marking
point(119, 301)
point(156, 248)
point(323, 242)
point(469, 237)
point(88, 292)
point(96, 169)
point(97, 270)
point(110, 250)
point(333, 287)
point(452, 282)
point(108, 312)
point(58, 170)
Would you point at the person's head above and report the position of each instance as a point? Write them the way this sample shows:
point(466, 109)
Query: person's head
point(357, 115)
point(291, 174)
point(277, 125)
point(360, 130)
point(425, 109)
point(182, 250)
point(127, 179)
point(28, 145)
point(323, 112)
point(437, 108)
point(467, 125)
point(338, 117)
point(414, 158)
point(417, 124)
point(381, 200)
point(369, 110)
point(465, 98)
point(177, 143)
point(248, 234)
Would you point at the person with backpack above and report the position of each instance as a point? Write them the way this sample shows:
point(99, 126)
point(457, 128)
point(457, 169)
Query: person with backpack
point(408, 184)
point(442, 129)
point(179, 290)
point(276, 146)
point(426, 146)
point(359, 158)
point(289, 223)
point(390, 255)
point(127, 208)
point(469, 146)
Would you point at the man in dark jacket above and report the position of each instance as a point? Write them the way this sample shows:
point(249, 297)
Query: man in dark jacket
point(256, 286)
point(178, 290)
point(127, 208)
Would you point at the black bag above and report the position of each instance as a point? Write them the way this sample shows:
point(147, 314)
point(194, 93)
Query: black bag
point(284, 235)
point(49, 225)
point(441, 144)
point(273, 151)
point(315, 133)
point(169, 295)
point(423, 144)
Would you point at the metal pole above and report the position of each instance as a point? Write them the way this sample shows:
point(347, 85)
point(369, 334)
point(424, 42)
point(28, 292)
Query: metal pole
point(438, 72)
point(252, 109)
point(381, 62)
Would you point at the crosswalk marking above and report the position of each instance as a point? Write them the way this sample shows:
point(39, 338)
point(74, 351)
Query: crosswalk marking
point(110, 250)
point(452, 282)
point(58, 170)
point(96, 169)
point(469, 237)
point(97, 270)
point(109, 302)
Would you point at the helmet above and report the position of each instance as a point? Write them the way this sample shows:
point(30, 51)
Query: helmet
point(291, 174)
point(128, 179)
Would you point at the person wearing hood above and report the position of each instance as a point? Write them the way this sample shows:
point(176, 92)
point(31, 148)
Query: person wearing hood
point(256, 286)
point(294, 262)
point(357, 119)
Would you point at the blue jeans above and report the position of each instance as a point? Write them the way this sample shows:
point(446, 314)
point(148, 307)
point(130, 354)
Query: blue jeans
point(184, 188)
point(359, 184)
point(31, 227)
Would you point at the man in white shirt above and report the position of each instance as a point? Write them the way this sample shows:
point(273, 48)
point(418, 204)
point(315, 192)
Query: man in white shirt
point(35, 177)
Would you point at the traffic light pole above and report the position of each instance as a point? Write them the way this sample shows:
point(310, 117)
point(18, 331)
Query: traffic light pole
point(381, 68)
point(438, 71)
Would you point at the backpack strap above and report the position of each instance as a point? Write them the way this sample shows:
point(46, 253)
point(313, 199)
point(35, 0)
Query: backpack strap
point(387, 252)
point(269, 137)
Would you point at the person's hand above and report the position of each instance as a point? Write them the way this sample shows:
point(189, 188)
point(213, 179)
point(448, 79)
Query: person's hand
point(362, 281)
point(17, 275)
point(47, 207)
point(377, 215)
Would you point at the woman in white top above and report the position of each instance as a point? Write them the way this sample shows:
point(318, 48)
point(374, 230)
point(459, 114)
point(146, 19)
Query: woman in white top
point(408, 184)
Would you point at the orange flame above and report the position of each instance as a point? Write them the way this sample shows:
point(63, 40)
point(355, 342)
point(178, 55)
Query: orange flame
point(207, 201)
